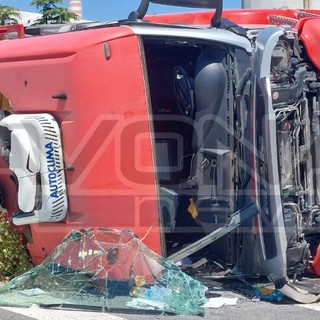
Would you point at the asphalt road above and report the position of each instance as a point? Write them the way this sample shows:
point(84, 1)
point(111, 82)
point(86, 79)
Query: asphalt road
point(245, 309)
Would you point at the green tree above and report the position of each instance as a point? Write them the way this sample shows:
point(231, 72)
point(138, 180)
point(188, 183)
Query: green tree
point(8, 15)
point(52, 13)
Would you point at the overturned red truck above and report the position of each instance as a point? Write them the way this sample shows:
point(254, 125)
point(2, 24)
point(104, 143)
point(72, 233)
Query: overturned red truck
point(199, 128)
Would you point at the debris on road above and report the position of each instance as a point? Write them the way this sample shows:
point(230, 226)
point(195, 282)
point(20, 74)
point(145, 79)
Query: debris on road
point(219, 302)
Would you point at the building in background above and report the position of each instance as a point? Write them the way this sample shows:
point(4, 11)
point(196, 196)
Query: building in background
point(75, 7)
point(28, 18)
point(295, 4)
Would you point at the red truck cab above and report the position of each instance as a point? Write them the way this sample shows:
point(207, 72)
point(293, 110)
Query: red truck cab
point(171, 126)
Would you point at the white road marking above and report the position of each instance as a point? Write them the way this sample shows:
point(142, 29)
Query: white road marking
point(312, 306)
point(50, 314)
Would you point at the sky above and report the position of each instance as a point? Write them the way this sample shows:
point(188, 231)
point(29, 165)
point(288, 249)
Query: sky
point(103, 10)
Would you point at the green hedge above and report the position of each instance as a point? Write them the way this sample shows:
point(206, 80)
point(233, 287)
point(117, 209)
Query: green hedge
point(14, 257)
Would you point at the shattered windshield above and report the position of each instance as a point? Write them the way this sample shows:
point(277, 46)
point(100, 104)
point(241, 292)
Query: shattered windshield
point(104, 269)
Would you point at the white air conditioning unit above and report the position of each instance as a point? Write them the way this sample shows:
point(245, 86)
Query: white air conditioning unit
point(35, 156)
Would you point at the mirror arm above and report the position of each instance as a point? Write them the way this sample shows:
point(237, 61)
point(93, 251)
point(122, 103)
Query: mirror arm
point(216, 19)
point(144, 5)
point(141, 11)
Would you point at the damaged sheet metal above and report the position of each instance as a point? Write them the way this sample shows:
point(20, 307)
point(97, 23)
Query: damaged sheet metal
point(104, 269)
point(236, 220)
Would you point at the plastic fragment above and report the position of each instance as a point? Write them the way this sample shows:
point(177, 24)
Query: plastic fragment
point(272, 295)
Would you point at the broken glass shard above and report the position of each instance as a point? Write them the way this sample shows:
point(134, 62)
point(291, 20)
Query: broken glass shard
point(109, 270)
